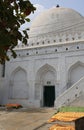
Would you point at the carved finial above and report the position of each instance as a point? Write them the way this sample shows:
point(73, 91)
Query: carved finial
point(57, 6)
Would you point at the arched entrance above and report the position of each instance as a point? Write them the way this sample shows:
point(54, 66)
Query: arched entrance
point(48, 96)
point(45, 89)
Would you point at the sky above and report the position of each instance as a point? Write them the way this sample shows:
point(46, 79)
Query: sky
point(78, 5)
point(43, 5)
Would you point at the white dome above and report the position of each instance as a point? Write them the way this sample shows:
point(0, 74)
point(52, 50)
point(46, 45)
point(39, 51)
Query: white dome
point(54, 21)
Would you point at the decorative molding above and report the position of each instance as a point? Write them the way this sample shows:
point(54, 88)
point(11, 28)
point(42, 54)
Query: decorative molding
point(56, 38)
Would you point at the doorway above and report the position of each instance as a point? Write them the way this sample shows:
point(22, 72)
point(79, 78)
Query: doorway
point(48, 96)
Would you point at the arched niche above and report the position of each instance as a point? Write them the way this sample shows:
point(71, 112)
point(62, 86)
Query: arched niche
point(18, 84)
point(46, 73)
point(45, 76)
point(75, 73)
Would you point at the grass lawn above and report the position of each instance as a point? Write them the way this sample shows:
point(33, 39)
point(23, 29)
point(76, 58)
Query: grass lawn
point(71, 109)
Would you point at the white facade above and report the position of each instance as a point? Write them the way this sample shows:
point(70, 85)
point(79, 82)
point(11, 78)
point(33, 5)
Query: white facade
point(51, 63)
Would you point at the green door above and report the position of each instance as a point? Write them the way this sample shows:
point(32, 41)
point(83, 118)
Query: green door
point(49, 96)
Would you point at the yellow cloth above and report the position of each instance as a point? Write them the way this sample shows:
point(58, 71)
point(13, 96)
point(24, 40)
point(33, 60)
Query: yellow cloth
point(61, 127)
point(66, 116)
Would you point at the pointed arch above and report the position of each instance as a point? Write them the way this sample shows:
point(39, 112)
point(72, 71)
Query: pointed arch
point(18, 84)
point(46, 75)
point(75, 72)
point(44, 70)
point(17, 70)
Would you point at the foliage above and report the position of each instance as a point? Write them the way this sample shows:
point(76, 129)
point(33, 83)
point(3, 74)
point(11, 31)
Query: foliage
point(13, 13)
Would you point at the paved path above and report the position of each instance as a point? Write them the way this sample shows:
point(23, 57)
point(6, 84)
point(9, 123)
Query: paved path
point(26, 119)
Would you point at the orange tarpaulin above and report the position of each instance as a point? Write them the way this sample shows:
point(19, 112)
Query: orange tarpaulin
point(11, 105)
point(60, 127)
point(66, 116)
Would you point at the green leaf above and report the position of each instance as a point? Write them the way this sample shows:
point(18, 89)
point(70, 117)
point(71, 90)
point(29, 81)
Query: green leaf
point(24, 41)
point(13, 54)
point(27, 19)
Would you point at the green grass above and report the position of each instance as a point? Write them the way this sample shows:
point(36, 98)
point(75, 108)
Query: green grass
point(71, 109)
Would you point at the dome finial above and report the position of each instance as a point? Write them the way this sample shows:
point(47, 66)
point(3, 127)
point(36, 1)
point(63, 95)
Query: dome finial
point(57, 6)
